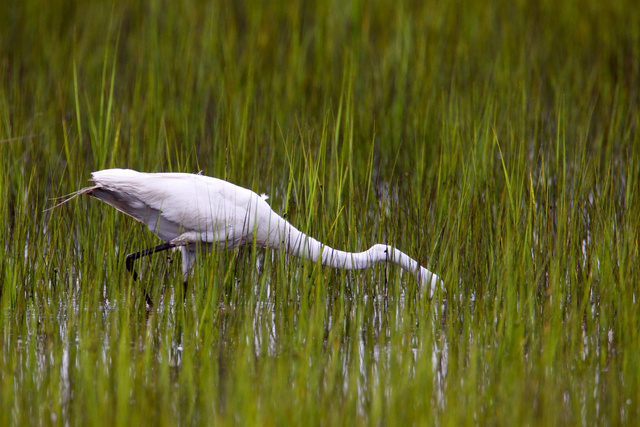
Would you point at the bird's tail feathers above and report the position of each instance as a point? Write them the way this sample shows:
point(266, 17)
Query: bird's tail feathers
point(71, 196)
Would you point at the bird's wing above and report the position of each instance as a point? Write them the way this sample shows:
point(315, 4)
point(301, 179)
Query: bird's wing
point(175, 203)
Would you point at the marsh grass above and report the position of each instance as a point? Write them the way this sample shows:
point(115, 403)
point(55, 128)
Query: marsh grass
point(496, 143)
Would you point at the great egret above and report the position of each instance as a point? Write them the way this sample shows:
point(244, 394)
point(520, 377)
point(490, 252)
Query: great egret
point(190, 210)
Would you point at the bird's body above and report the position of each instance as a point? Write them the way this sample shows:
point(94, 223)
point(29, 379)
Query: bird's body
point(190, 210)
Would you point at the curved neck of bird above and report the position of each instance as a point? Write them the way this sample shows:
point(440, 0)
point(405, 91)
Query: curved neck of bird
point(299, 244)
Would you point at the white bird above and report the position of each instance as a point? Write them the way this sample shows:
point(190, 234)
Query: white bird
point(188, 211)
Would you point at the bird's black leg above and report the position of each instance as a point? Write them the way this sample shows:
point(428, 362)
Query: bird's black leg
point(184, 290)
point(134, 256)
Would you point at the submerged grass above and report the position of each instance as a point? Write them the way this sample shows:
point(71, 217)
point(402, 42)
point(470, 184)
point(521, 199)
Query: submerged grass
point(496, 143)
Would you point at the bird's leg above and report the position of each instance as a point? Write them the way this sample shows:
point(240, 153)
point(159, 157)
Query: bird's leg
point(185, 286)
point(134, 256)
point(148, 300)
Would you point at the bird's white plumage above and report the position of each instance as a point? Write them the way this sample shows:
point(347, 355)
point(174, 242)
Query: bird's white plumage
point(172, 204)
point(192, 210)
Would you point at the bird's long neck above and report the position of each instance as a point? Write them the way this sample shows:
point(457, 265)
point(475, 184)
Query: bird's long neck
point(299, 244)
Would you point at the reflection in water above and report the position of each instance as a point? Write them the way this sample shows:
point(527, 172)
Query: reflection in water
point(366, 331)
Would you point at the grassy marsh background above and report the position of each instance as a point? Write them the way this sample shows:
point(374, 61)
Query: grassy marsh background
point(495, 142)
